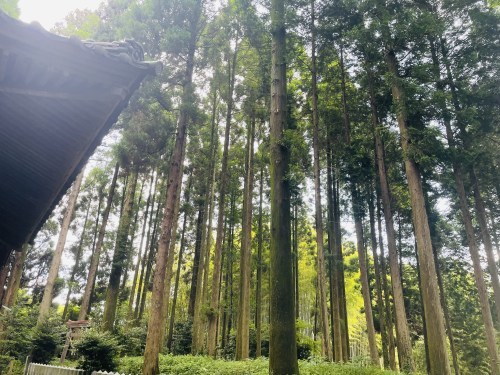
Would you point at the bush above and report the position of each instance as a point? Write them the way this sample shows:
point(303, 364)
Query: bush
point(190, 365)
point(97, 351)
point(47, 340)
point(132, 340)
point(17, 336)
point(181, 342)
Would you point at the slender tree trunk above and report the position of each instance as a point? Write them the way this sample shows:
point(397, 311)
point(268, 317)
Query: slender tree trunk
point(16, 273)
point(335, 294)
point(170, 259)
point(133, 231)
point(402, 330)
point(214, 300)
point(282, 336)
point(430, 292)
point(153, 343)
point(378, 285)
point(258, 290)
point(121, 254)
point(357, 208)
point(153, 248)
point(387, 294)
point(243, 323)
point(200, 223)
point(94, 262)
point(148, 256)
point(56, 260)
point(323, 309)
point(202, 279)
point(130, 311)
point(78, 255)
point(3, 278)
point(177, 278)
point(486, 238)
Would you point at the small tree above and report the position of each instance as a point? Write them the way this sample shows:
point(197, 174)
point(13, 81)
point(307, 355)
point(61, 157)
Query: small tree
point(97, 351)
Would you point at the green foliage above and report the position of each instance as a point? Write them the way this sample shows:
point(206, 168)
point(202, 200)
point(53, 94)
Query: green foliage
point(132, 339)
point(10, 7)
point(182, 337)
point(189, 365)
point(47, 340)
point(16, 338)
point(97, 351)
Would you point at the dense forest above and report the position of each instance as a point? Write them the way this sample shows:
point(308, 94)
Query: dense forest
point(314, 182)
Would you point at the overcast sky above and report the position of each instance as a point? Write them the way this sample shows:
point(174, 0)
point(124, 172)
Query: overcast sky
point(49, 12)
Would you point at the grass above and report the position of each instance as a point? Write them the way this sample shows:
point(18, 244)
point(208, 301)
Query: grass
point(194, 365)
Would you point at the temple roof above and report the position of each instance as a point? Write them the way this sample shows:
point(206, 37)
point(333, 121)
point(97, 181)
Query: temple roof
point(58, 98)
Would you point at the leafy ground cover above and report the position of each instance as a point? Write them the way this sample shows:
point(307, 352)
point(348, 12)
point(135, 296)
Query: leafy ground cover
point(194, 365)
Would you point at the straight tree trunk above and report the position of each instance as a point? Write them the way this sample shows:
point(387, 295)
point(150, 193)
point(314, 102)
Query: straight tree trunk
point(258, 289)
point(321, 269)
point(387, 293)
point(78, 255)
point(214, 300)
point(16, 273)
point(133, 231)
point(61, 241)
point(282, 336)
point(378, 285)
point(243, 323)
point(200, 223)
point(402, 331)
point(170, 259)
point(121, 254)
point(148, 256)
point(202, 279)
point(130, 311)
point(94, 262)
point(153, 343)
point(486, 238)
point(177, 278)
point(357, 208)
point(438, 355)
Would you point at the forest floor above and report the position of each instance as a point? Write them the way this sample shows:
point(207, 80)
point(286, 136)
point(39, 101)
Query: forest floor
point(193, 365)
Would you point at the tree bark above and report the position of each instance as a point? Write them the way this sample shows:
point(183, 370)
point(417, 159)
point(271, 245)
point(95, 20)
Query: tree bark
point(357, 209)
point(78, 255)
point(387, 294)
point(282, 336)
point(378, 285)
point(121, 254)
point(243, 323)
point(130, 311)
point(438, 355)
point(335, 268)
point(486, 238)
point(258, 289)
point(16, 273)
point(94, 262)
point(321, 270)
point(61, 241)
point(214, 300)
point(177, 278)
point(153, 343)
point(402, 331)
point(206, 235)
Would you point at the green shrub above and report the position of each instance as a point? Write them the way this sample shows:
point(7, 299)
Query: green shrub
point(47, 340)
point(181, 342)
point(17, 336)
point(132, 340)
point(97, 351)
point(194, 365)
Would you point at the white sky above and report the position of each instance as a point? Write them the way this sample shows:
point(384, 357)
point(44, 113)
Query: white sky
point(49, 12)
